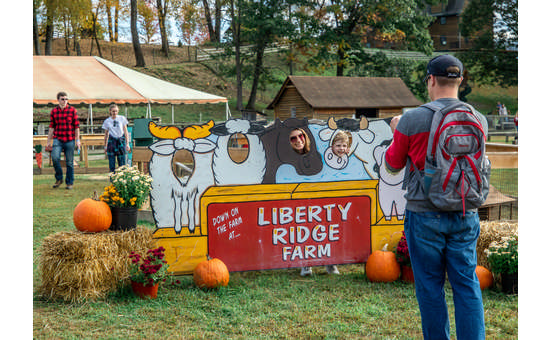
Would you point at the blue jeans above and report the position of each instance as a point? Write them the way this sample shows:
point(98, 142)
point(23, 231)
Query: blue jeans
point(68, 150)
point(439, 243)
point(121, 159)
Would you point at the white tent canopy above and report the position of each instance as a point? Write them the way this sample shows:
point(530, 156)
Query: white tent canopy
point(93, 80)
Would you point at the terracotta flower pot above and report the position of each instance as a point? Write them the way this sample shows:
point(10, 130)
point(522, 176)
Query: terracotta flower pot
point(145, 291)
point(407, 274)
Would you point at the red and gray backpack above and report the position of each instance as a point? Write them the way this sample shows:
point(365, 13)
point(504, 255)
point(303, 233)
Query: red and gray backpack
point(456, 172)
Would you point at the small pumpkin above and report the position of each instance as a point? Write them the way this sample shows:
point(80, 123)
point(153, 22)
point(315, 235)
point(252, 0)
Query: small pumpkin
point(92, 215)
point(211, 273)
point(484, 276)
point(382, 266)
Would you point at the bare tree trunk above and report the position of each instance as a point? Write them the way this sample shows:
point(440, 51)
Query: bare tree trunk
point(251, 105)
point(236, 27)
point(35, 35)
point(218, 21)
point(340, 63)
point(109, 21)
point(116, 20)
point(49, 31)
point(208, 18)
point(140, 61)
point(162, 9)
point(76, 38)
point(94, 31)
point(67, 35)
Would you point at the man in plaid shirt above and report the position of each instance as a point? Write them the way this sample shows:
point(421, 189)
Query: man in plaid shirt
point(65, 133)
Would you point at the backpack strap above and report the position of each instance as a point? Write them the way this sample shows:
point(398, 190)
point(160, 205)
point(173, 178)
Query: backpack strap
point(439, 112)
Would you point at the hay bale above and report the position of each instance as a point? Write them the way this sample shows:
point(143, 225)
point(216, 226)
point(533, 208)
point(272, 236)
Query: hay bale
point(492, 231)
point(77, 266)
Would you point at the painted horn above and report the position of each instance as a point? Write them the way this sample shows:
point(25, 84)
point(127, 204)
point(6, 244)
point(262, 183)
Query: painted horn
point(332, 124)
point(363, 123)
point(198, 131)
point(164, 132)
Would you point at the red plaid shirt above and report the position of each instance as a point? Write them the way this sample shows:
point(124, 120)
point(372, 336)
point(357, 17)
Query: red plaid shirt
point(64, 122)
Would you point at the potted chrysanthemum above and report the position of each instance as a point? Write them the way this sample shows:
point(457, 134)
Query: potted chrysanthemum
point(147, 272)
point(502, 256)
point(404, 259)
point(128, 190)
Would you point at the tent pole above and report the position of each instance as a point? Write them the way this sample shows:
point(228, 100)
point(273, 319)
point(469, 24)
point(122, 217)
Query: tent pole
point(91, 119)
point(227, 111)
point(172, 113)
point(149, 114)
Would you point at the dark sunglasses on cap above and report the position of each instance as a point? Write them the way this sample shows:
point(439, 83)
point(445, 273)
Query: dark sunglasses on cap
point(295, 138)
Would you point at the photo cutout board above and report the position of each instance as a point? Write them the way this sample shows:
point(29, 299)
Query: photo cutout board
point(252, 198)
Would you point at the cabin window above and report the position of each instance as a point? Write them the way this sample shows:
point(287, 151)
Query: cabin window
point(293, 112)
point(369, 113)
point(443, 20)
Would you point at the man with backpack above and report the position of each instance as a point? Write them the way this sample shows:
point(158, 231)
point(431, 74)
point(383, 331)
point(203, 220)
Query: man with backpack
point(442, 145)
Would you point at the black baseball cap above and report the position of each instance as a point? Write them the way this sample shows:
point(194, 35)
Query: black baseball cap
point(438, 67)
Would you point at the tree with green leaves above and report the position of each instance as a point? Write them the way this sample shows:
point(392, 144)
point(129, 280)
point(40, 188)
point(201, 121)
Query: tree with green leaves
point(411, 71)
point(339, 27)
point(265, 22)
point(492, 28)
point(259, 24)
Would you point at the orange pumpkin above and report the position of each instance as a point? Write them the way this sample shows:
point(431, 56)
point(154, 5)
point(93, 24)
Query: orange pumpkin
point(484, 276)
point(382, 266)
point(92, 215)
point(211, 273)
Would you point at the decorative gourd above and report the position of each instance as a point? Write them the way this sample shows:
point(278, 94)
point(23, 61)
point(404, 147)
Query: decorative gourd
point(382, 266)
point(92, 215)
point(211, 273)
point(484, 276)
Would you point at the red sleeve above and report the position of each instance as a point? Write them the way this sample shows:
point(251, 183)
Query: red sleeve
point(75, 119)
point(52, 123)
point(396, 155)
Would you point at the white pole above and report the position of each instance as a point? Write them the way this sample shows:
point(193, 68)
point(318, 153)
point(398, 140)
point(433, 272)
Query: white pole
point(227, 111)
point(172, 113)
point(91, 119)
point(149, 115)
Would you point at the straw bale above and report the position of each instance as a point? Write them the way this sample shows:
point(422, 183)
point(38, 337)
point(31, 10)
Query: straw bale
point(76, 266)
point(492, 231)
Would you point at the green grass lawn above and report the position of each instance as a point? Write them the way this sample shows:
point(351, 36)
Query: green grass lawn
point(257, 304)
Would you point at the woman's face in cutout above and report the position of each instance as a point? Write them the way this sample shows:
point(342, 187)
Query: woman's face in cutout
point(297, 140)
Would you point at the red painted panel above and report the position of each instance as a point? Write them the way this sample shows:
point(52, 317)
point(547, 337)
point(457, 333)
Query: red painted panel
point(290, 233)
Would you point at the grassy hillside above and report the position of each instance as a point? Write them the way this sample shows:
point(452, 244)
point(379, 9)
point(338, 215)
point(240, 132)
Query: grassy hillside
point(201, 76)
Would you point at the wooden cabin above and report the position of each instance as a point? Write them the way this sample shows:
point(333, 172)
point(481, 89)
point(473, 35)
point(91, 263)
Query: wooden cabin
point(341, 97)
point(445, 30)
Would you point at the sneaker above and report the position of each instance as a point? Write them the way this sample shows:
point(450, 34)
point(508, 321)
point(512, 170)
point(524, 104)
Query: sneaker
point(332, 269)
point(57, 184)
point(69, 186)
point(306, 271)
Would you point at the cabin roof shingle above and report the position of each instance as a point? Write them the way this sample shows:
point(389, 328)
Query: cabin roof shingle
point(350, 92)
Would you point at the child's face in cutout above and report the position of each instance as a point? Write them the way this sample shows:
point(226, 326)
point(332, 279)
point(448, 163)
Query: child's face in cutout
point(340, 148)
